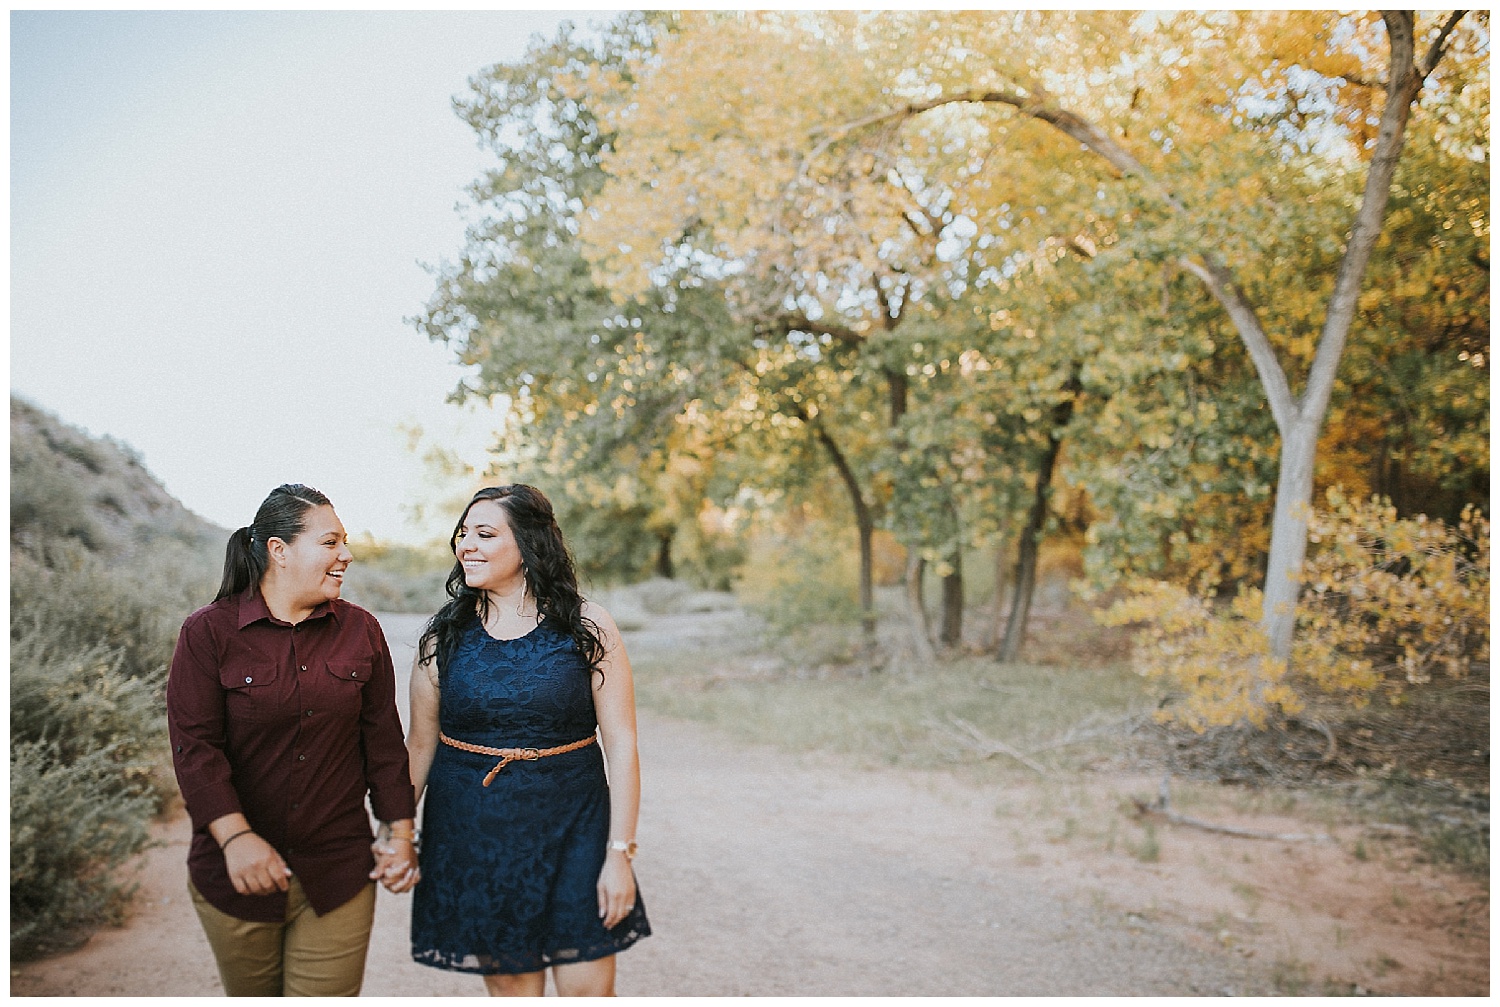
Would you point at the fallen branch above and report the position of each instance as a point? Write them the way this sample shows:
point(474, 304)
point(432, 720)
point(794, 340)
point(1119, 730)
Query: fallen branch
point(989, 747)
point(1079, 734)
point(1162, 807)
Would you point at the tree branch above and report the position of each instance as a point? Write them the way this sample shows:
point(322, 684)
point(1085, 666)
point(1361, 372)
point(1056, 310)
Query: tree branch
point(1404, 82)
point(791, 321)
point(1221, 284)
point(1435, 51)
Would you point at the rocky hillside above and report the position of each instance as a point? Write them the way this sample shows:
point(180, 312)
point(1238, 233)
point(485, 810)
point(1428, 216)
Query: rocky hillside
point(70, 490)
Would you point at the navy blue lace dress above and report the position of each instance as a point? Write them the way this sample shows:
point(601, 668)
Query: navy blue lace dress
point(509, 871)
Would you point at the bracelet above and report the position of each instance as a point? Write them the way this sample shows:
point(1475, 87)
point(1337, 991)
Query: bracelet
point(225, 844)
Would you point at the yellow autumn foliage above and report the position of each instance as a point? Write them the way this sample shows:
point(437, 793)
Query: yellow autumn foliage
point(1388, 604)
point(1216, 660)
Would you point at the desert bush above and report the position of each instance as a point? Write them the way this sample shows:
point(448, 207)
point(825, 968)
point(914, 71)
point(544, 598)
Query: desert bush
point(84, 702)
point(46, 505)
point(72, 824)
point(131, 606)
point(87, 773)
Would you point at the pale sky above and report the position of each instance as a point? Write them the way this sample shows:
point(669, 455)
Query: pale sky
point(217, 225)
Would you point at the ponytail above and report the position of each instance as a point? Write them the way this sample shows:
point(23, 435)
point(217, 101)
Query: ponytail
point(244, 562)
point(282, 515)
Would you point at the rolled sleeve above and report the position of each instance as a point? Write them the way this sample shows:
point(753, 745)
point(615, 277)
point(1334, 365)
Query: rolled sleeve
point(196, 727)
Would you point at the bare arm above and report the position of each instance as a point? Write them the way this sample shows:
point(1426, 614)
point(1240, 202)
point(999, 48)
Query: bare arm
point(614, 706)
point(422, 739)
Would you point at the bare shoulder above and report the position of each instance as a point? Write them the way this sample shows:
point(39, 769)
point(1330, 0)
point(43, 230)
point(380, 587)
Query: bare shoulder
point(599, 616)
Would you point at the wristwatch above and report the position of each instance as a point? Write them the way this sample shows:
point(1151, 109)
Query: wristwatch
point(626, 848)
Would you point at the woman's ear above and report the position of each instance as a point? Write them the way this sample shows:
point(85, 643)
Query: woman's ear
point(276, 551)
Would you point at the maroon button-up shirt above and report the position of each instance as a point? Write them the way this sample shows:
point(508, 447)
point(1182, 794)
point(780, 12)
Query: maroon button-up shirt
point(292, 726)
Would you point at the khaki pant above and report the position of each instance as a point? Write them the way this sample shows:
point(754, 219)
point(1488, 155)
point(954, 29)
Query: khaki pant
point(306, 956)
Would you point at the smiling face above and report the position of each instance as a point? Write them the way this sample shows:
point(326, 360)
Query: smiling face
point(487, 548)
point(311, 566)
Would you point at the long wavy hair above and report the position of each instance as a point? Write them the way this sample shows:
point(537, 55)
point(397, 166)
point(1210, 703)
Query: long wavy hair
point(545, 563)
point(283, 515)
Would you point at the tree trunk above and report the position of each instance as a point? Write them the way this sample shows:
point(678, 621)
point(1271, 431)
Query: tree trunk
point(1299, 435)
point(916, 609)
point(1294, 486)
point(997, 603)
point(953, 602)
point(664, 567)
point(863, 519)
point(1029, 545)
point(1027, 548)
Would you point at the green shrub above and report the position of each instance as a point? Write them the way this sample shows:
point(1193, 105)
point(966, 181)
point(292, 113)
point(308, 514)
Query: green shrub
point(71, 825)
point(84, 702)
point(132, 605)
point(805, 590)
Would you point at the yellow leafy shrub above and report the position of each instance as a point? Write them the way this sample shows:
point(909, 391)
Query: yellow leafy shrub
point(1388, 603)
point(1214, 658)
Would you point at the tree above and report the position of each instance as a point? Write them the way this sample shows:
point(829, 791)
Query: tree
point(595, 391)
point(1299, 418)
point(1159, 109)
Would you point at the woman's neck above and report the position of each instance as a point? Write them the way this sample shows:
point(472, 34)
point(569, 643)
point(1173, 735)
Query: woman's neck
point(284, 604)
point(512, 602)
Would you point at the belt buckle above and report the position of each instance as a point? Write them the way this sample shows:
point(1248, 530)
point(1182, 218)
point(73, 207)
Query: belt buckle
point(530, 754)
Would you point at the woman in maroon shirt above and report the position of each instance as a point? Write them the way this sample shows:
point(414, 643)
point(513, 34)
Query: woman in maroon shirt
point(282, 717)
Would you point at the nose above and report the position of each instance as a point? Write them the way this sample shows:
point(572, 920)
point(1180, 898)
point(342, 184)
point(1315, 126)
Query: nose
point(345, 556)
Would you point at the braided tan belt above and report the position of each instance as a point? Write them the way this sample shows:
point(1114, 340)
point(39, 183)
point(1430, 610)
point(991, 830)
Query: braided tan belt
point(513, 754)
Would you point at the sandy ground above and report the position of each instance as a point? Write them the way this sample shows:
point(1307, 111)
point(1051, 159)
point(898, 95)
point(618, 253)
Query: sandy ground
point(771, 874)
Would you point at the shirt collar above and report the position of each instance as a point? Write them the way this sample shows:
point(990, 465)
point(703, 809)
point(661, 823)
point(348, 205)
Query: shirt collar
point(253, 609)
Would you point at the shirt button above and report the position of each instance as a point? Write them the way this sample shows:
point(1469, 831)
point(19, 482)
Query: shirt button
point(248, 679)
point(309, 713)
point(301, 758)
point(353, 674)
point(304, 667)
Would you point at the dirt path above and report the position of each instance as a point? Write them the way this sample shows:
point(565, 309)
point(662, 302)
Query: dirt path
point(773, 874)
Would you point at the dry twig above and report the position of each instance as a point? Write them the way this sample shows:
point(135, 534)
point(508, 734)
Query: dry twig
point(1162, 806)
point(988, 746)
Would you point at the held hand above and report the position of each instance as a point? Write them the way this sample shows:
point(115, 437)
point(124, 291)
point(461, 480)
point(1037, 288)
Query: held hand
point(616, 889)
point(396, 864)
point(255, 868)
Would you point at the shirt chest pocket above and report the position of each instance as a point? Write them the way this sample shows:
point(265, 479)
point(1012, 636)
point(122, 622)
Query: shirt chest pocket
point(343, 682)
point(251, 691)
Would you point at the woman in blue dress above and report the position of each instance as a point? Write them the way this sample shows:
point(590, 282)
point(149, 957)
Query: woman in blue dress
point(526, 845)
